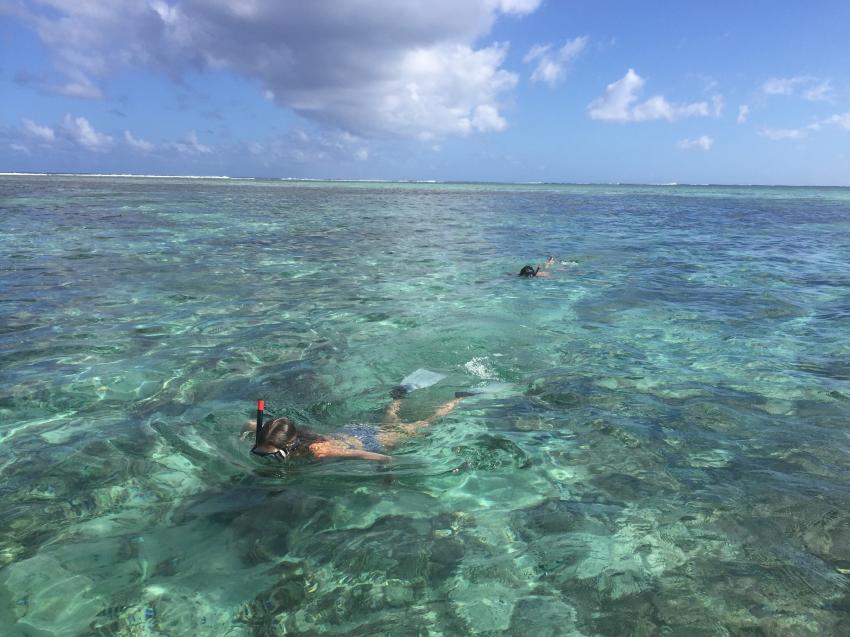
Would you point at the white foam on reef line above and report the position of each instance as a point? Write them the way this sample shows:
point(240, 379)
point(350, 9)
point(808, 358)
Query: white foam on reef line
point(133, 175)
point(369, 181)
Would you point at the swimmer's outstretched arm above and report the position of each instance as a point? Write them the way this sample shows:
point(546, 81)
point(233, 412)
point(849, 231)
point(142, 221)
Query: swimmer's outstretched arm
point(327, 451)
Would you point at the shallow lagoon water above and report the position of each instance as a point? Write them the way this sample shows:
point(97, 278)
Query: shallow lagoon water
point(667, 454)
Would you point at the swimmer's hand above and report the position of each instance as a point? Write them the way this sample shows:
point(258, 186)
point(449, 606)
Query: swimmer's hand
point(247, 429)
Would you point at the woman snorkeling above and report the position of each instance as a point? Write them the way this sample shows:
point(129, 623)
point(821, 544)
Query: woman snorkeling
point(282, 439)
point(529, 271)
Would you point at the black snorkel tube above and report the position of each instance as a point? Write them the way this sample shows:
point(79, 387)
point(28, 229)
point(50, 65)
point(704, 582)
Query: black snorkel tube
point(261, 407)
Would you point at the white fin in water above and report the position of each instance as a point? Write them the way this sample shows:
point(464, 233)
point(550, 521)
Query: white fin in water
point(420, 379)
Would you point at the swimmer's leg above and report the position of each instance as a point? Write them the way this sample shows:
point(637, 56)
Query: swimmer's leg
point(398, 431)
point(388, 433)
point(391, 415)
point(443, 410)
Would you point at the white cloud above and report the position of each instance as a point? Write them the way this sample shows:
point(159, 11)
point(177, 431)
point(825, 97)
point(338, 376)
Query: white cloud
point(620, 104)
point(73, 84)
point(139, 144)
point(659, 108)
point(376, 69)
point(784, 133)
point(842, 120)
point(781, 85)
point(618, 100)
point(820, 92)
point(79, 130)
point(44, 133)
point(518, 7)
point(743, 113)
point(487, 118)
point(718, 104)
point(191, 146)
point(700, 143)
point(813, 89)
point(20, 148)
point(443, 90)
point(552, 66)
point(79, 89)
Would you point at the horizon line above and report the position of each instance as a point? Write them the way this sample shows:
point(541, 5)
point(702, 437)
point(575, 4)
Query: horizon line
point(418, 181)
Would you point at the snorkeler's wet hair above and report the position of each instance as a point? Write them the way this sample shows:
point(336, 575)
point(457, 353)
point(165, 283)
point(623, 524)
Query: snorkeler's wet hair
point(282, 434)
point(527, 270)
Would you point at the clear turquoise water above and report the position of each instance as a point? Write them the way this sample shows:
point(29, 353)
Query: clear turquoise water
point(670, 458)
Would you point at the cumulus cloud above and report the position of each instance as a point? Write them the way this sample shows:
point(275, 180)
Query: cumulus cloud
point(44, 133)
point(781, 85)
point(743, 113)
point(812, 88)
point(820, 92)
point(842, 120)
point(518, 7)
point(620, 104)
point(191, 146)
point(487, 118)
point(79, 130)
point(700, 143)
point(442, 90)
point(719, 104)
point(376, 69)
point(138, 144)
point(83, 88)
point(552, 65)
point(777, 134)
point(73, 84)
point(839, 120)
point(72, 130)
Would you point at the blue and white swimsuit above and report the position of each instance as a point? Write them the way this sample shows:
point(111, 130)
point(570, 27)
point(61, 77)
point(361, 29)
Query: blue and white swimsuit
point(366, 434)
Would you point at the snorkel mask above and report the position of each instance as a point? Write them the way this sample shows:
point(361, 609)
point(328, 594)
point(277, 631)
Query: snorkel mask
point(278, 454)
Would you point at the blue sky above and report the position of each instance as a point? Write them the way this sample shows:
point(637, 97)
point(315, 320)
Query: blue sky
point(492, 90)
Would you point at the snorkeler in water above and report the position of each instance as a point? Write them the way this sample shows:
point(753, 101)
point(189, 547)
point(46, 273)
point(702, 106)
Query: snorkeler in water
point(282, 439)
point(529, 271)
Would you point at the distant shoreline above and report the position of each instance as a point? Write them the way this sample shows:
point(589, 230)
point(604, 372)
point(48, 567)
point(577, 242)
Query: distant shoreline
point(413, 181)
